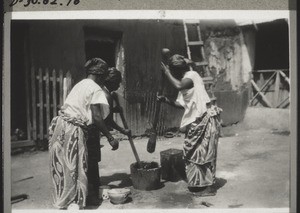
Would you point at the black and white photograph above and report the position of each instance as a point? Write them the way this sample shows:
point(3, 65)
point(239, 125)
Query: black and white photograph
point(162, 113)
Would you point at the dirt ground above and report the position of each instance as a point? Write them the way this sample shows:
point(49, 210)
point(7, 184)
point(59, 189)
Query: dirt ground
point(252, 172)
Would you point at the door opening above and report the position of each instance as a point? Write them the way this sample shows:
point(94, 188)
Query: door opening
point(101, 49)
point(103, 44)
point(19, 98)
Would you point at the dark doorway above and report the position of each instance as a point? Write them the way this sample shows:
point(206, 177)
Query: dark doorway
point(102, 43)
point(18, 76)
point(272, 45)
point(101, 49)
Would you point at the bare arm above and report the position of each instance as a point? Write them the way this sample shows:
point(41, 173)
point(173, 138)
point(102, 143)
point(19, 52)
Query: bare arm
point(109, 120)
point(170, 102)
point(114, 125)
point(97, 119)
point(179, 85)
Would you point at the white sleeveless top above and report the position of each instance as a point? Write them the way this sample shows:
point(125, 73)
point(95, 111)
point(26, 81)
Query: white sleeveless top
point(80, 98)
point(193, 100)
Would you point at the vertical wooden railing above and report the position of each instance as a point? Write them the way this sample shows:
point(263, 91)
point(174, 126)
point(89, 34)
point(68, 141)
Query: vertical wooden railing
point(33, 104)
point(54, 94)
point(47, 93)
point(40, 104)
point(61, 87)
point(48, 89)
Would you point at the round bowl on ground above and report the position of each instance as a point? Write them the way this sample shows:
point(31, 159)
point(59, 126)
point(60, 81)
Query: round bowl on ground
point(118, 196)
point(73, 206)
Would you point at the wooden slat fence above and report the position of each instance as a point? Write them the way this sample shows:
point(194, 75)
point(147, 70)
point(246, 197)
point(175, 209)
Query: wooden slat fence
point(46, 90)
point(271, 88)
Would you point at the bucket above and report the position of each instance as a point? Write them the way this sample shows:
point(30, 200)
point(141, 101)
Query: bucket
point(172, 164)
point(145, 176)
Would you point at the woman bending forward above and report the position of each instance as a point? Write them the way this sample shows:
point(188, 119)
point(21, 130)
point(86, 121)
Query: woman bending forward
point(200, 122)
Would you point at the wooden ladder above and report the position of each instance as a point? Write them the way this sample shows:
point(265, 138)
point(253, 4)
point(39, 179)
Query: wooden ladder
point(207, 79)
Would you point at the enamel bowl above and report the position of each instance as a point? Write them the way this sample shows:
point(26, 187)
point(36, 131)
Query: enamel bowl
point(118, 196)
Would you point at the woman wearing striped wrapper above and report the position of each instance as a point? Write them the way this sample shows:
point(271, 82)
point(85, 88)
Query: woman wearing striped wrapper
point(71, 136)
point(200, 122)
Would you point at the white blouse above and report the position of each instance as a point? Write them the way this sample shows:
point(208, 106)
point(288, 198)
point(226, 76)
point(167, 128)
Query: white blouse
point(80, 98)
point(193, 100)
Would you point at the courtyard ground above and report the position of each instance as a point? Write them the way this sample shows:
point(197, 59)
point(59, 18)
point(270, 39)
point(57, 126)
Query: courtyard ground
point(252, 172)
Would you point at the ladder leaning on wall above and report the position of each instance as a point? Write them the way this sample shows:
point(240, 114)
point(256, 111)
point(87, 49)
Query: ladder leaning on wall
point(207, 78)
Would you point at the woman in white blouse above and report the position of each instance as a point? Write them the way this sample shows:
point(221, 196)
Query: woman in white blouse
point(85, 107)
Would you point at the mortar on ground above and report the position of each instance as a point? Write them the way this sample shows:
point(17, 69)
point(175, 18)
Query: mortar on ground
point(146, 175)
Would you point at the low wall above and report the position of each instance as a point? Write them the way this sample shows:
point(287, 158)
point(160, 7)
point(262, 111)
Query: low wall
point(234, 105)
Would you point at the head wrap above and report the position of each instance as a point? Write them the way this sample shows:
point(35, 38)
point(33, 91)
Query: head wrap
point(96, 66)
point(179, 61)
point(114, 75)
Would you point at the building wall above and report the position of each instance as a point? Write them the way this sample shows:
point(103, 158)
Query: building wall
point(230, 54)
point(60, 45)
point(57, 45)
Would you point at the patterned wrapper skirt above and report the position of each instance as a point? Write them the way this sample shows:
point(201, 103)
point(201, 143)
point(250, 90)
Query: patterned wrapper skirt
point(68, 163)
point(200, 149)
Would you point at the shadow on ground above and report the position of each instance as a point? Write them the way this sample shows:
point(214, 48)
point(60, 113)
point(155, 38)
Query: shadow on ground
point(94, 206)
point(220, 182)
point(122, 179)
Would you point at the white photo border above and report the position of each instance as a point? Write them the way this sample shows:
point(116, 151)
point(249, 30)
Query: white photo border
point(152, 14)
